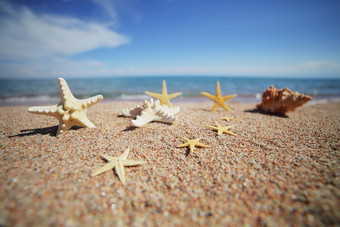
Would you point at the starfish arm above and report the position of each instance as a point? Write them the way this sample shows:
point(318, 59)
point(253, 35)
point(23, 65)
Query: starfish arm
point(129, 162)
point(228, 119)
point(184, 145)
point(105, 168)
point(201, 145)
point(210, 96)
point(225, 98)
point(214, 107)
point(107, 158)
point(119, 169)
point(45, 110)
point(217, 124)
point(218, 89)
point(86, 103)
point(225, 107)
point(213, 127)
point(163, 100)
point(220, 131)
point(80, 119)
point(65, 91)
point(230, 133)
point(155, 95)
point(192, 146)
point(174, 95)
point(164, 90)
point(125, 154)
point(63, 126)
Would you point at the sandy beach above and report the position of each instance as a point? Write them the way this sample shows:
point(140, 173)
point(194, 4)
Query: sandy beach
point(278, 171)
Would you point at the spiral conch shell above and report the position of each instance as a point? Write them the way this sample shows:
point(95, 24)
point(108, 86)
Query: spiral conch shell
point(281, 101)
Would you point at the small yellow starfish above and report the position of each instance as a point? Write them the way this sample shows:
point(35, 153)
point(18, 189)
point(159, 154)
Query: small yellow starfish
point(228, 119)
point(220, 130)
point(70, 111)
point(219, 99)
point(118, 164)
point(192, 144)
point(164, 98)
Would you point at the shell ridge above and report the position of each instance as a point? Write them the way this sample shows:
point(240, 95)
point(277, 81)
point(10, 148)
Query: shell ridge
point(151, 111)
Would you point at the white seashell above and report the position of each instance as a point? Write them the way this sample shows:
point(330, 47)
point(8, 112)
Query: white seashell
point(151, 111)
point(134, 112)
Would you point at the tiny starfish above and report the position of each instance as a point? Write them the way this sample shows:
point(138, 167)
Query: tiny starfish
point(192, 143)
point(118, 164)
point(219, 99)
point(220, 130)
point(70, 111)
point(164, 98)
point(228, 119)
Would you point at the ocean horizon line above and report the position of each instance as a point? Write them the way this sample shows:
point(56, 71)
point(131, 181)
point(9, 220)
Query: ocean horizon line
point(48, 100)
point(249, 89)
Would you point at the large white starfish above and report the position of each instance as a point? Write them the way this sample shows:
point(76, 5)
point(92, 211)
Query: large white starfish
point(70, 111)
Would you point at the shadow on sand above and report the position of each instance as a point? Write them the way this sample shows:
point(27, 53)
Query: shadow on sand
point(129, 128)
point(52, 131)
point(265, 113)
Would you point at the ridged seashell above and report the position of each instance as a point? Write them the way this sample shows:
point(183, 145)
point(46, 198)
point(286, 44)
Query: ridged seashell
point(281, 101)
point(151, 111)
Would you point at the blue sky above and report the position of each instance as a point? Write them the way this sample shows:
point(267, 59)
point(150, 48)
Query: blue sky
point(87, 38)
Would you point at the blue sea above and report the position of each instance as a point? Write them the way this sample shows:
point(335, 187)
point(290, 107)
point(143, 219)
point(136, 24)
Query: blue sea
point(46, 91)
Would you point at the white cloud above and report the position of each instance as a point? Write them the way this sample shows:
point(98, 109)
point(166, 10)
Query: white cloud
point(50, 67)
point(108, 7)
point(26, 35)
